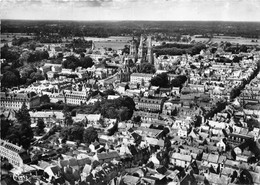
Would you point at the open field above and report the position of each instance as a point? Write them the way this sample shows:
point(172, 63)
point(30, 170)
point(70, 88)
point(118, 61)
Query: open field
point(8, 37)
point(239, 40)
point(233, 40)
point(113, 42)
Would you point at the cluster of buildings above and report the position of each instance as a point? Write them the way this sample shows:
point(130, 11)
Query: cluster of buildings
point(199, 133)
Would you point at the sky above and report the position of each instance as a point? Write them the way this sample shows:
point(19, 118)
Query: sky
point(170, 10)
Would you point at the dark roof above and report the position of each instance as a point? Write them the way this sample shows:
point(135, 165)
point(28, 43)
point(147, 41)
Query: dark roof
point(136, 136)
point(133, 150)
point(161, 170)
point(55, 170)
point(109, 155)
point(188, 179)
point(82, 162)
point(130, 130)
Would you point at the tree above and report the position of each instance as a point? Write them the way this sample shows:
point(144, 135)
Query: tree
point(109, 92)
point(73, 133)
point(5, 126)
point(113, 130)
point(137, 119)
point(44, 99)
point(147, 68)
point(9, 54)
point(67, 115)
point(10, 79)
point(71, 62)
point(111, 112)
point(160, 80)
point(178, 81)
point(40, 126)
point(32, 46)
point(13, 134)
point(123, 113)
point(77, 132)
point(86, 62)
point(23, 116)
point(90, 135)
point(25, 131)
point(174, 112)
point(38, 76)
point(197, 121)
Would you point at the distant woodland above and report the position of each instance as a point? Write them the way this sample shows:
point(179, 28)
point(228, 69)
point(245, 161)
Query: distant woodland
point(65, 29)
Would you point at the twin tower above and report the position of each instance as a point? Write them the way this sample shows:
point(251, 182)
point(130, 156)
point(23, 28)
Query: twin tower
point(140, 54)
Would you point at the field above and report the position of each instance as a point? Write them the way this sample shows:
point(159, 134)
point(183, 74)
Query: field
point(239, 40)
point(106, 44)
point(8, 37)
point(233, 40)
point(110, 42)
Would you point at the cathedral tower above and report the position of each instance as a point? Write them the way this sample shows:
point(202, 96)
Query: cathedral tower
point(150, 57)
point(133, 49)
point(141, 48)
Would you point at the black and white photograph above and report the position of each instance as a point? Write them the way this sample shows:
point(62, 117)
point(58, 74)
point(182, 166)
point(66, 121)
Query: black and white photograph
point(130, 92)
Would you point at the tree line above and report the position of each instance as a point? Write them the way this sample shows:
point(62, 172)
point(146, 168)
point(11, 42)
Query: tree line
point(178, 49)
point(162, 80)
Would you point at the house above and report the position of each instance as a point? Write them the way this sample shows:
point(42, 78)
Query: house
point(169, 108)
point(171, 76)
point(153, 105)
point(221, 145)
point(140, 78)
point(73, 97)
point(112, 97)
point(131, 180)
point(234, 138)
point(183, 132)
point(108, 156)
point(16, 155)
point(149, 132)
point(164, 91)
point(179, 159)
point(179, 123)
point(51, 74)
point(14, 101)
point(121, 88)
point(90, 118)
point(175, 90)
point(136, 153)
point(212, 160)
point(188, 179)
point(217, 179)
point(54, 67)
point(54, 173)
point(146, 116)
point(216, 124)
point(49, 117)
point(155, 142)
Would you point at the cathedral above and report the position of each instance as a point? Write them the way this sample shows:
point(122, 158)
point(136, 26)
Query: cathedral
point(146, 43)
point(137, 56)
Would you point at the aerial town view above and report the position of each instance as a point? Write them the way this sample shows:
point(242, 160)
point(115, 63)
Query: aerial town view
point(130, 92)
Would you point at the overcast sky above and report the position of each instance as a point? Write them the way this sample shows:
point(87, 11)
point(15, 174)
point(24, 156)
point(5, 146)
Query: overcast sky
point(223, 10)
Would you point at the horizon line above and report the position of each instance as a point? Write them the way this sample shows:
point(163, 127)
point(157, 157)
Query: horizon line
point(133, 20)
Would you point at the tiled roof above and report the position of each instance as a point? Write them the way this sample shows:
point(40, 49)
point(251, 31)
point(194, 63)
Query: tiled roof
point(181, 157)
point(11, 146)
point(109, 155)
point(141, 74)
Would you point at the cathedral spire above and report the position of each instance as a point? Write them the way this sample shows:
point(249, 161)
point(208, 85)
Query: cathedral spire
point(141, 48)
point(150, 56)
point(133, 49)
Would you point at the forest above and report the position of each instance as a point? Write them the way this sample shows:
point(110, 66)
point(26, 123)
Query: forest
point(56, 29)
